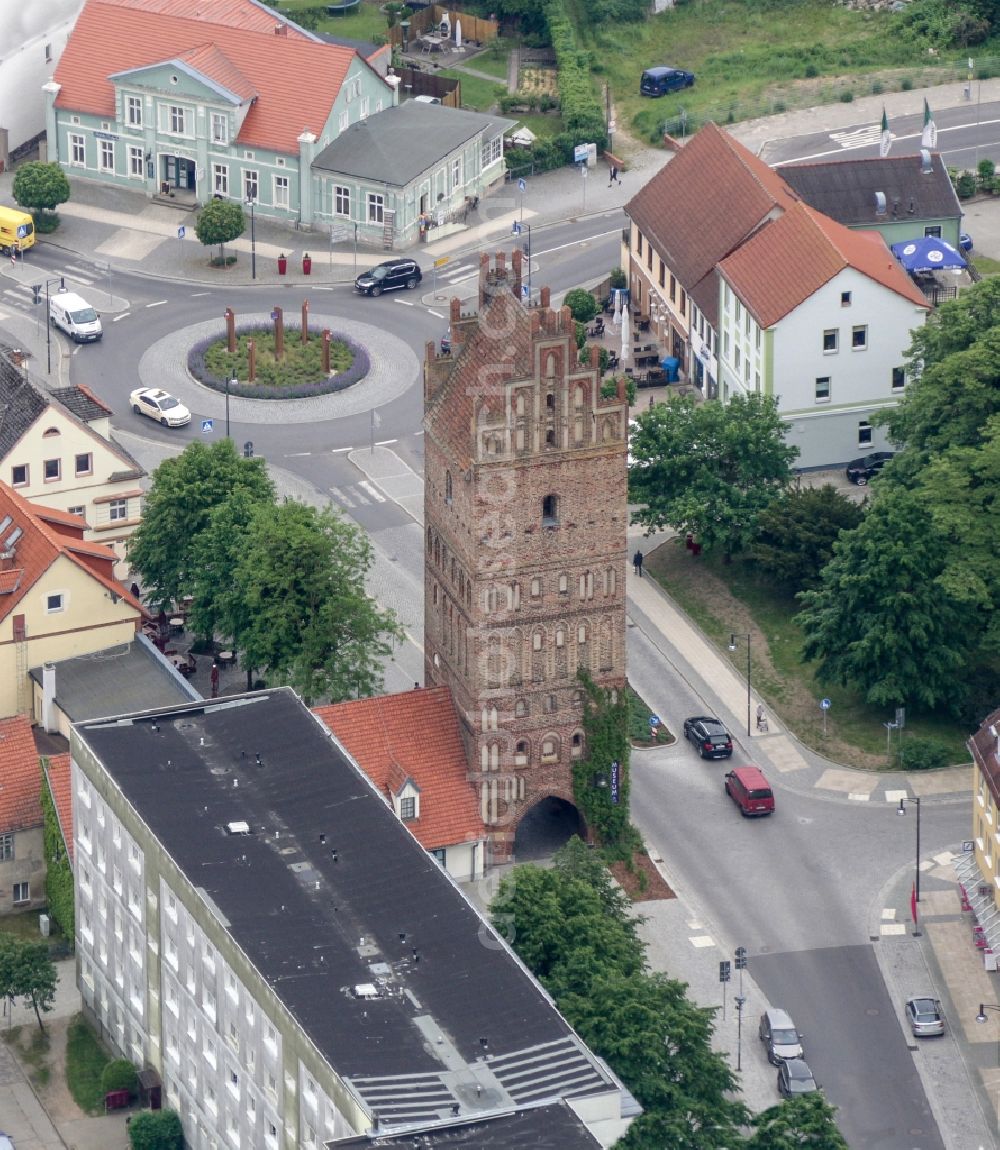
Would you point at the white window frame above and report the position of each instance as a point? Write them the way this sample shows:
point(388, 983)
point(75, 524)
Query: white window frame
point(22, 893)
point(77, 150)
point(176, 120)
point(364, 107)
point(862, 330)
point(251, 185)
point(220, 128)
point(117, 510)
point(456, 173)
point(344, 121)
point(136, 162)
point(281, 192)
point(375, 208)
point(55, 603)
point(864, 433)
point(133, 111)
point(835, 346)
point(342, 200)
point(824, 387)
point(220, 179)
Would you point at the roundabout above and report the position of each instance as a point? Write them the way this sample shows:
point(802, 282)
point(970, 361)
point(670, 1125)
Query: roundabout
point(393, 369)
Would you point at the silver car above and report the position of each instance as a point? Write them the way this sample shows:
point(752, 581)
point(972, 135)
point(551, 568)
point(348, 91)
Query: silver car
point(925, 1017)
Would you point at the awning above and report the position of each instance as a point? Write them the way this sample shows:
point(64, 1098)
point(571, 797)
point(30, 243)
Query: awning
point(979, 892)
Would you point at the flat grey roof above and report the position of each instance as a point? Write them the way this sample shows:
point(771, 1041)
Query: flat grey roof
point(330, 892)
point(401, 143)
point(125, 677)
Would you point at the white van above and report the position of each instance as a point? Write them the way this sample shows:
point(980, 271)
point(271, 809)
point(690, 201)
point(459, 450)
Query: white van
point(75, 316)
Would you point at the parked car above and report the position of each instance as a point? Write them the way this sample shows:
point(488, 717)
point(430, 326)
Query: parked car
point(965, 241)
point(750, 791)
point(794, 1078)
point(781, 1040)
point(660, 81)
point(860, 471)
point(159, 405)
point(925, 1017)
point(709, 736)
point(446, 343)
point(388, 276)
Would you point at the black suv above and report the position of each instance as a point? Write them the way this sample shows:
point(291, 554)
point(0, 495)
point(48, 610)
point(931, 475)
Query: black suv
point(388, 276)
point(859, 471)
point(709, 736)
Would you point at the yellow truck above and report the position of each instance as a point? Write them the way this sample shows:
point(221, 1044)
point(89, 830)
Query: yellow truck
point(17, 231)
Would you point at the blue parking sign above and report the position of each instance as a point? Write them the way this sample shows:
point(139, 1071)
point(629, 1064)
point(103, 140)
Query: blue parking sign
point(522, 186)
point(207, 426)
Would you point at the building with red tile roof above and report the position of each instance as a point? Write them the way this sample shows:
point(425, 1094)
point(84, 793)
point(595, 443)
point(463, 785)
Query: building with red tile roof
point(57, 775)
point(58, 595)
point(410, 746)
point(819, 316)
point(227, 99)
point(22, 857)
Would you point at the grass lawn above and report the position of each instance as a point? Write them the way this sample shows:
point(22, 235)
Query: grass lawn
point(638, 722)
point(478, 94)
point(752, 56)
point(986, 266)
point(722, 600)
point(85, 1062)
point(302, 363)
point(541, 123)
point(25, 926)
point(493, 60)
point(365, 22)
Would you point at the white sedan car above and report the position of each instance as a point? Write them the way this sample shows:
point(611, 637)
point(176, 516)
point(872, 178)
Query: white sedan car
point(159, 405)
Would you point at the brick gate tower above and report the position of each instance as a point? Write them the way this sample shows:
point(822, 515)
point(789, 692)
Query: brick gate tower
point(525, 514)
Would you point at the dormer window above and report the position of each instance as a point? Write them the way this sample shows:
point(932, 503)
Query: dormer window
point(408, 808)
point(49, 432)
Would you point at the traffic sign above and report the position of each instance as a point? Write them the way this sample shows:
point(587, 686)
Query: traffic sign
point(516, 228)
point(207, 426)
point(968, 845)
point(181, 232)
point(825, 704)
point(655, 720)
point(741, 958)
point(439, 263)
point(524, 291)
point(522, 185)
point(724, 968)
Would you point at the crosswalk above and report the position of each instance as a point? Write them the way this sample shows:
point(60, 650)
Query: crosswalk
point(453, 273)
point(20, 296)
point(361, 494)
point(858, 137)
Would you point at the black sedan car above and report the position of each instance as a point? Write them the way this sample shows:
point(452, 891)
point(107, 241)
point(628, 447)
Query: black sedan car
point(794, 1078)
point(387, 276)
point(860, 471)
point(709, 736)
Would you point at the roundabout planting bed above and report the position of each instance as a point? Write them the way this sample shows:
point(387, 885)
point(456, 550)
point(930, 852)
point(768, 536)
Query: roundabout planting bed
point(298, 374)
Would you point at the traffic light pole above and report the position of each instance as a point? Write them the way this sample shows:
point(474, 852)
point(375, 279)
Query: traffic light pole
point(37, 293)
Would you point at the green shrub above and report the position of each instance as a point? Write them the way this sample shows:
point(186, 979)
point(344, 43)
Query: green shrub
point(965, 185)
point(120, 1075)
point(582, 305)
point(618, 278)
point(156, 1130)
point(878, 88)
point(846, 97)
point(906, 84)
point(923, 754)
point(811, 71)
point(45, 222)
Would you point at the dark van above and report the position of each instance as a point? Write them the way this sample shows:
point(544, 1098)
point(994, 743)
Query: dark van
point(660, 81)
point(750, 791)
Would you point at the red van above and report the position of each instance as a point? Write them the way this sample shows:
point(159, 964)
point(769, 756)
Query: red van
point(750, 791)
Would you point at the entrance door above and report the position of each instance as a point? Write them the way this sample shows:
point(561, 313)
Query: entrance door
point(179, 173)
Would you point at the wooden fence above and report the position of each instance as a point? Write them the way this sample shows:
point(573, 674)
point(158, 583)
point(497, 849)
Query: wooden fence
point(423, 20)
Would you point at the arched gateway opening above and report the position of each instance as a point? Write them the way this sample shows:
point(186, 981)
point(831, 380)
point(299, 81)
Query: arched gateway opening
point(547, 826)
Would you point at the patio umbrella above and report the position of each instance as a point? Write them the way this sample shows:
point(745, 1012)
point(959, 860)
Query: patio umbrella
point(927, 254)
point(617, 318)
point(458, 33)
point(626, 335)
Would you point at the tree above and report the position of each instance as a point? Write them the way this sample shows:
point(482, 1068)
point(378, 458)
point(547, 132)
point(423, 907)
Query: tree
point(802, 1122)
point(885, 617)
point(709, 469)
point(220, 222)
point(796, 533)
point(582, 305)
point(178, 507)
point(41, 186)
point(156, 1130)
point(605, 724)
point(27, 972)
point(297, 600)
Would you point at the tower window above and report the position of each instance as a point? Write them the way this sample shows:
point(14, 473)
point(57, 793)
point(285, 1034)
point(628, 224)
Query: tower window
point(447, 487)
point(550, 400)
point(550, 510)
point(550, 438)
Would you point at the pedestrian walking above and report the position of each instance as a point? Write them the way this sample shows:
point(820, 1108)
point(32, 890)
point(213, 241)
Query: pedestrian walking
point(215, 680)
point(614, 176)
point(637, 562)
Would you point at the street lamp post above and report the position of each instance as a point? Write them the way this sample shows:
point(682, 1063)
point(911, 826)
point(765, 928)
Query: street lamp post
point(37, 290)
point(741, 965)
point(732, 647)
point(981, 1017)
point(901, 810)
point(252, 203)
point(517, 228)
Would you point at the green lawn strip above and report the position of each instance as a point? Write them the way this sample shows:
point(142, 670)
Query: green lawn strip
point(638, 722)
point(723, 599)
point(477, 93)
point(492, 61)
point(365, 22)
point(85, 1062)
point(541, 123)
point(986, 266)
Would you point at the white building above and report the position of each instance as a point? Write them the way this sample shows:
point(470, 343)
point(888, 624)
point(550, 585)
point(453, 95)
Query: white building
point(820, 317)
point(255, 925)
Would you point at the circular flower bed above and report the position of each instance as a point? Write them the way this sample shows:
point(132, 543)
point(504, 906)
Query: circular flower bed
point(298, 375)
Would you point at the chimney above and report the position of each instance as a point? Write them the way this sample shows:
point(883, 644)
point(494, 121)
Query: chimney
point(281, 29)
point(49, 698)
point(515, 264)
point(880, 203)
point(484, 269)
